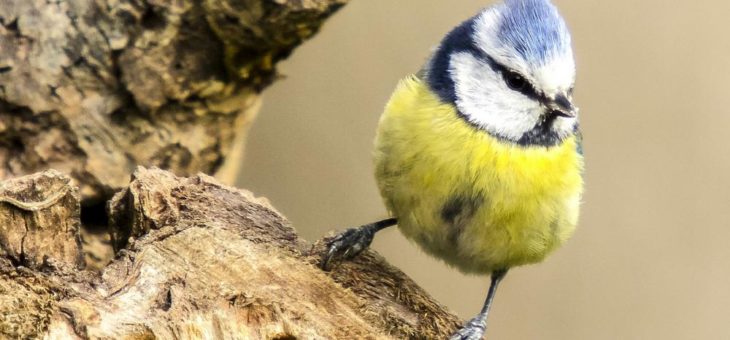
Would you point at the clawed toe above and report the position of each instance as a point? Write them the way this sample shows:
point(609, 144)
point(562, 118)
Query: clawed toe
point(352, 242)
point(468, 334)
point(346, 246)
point(474, 330)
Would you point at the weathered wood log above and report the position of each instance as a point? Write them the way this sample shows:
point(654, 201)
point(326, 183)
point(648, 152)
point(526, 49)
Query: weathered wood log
point(198, 260)
point(94, 88)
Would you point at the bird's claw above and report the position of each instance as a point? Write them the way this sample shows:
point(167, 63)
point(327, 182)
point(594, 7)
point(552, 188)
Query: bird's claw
point(473, 330)
point(347, 245)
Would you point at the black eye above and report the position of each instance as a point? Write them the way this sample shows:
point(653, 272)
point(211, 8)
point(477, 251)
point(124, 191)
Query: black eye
point(515, 81)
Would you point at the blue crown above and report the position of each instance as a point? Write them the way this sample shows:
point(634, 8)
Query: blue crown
point(534, 28)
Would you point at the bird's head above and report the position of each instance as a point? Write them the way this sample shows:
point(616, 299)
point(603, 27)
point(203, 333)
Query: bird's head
point(510, 71)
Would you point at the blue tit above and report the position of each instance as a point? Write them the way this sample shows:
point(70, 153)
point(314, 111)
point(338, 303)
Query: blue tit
point(478, 156)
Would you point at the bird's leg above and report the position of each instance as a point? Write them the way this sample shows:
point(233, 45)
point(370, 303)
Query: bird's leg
point(474, 329)
point(352, 242)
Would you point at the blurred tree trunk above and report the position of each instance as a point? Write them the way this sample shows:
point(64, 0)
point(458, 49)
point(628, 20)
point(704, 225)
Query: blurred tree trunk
point(96, 88)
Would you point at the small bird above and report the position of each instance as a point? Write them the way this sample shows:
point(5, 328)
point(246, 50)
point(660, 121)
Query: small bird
point(478, 156)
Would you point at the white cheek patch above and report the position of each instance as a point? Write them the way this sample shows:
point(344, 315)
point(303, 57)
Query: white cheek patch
point(486, 101)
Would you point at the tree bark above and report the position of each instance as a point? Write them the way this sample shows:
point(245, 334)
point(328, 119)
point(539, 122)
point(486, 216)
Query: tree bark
point(94, 88)
point(201, 260)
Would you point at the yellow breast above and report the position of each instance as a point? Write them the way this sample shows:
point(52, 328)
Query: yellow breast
point(474, 201)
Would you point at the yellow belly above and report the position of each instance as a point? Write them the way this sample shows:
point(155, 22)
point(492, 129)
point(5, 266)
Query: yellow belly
point(474, 201)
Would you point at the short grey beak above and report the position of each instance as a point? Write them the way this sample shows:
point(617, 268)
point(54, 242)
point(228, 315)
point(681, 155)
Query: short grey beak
point(563, 107)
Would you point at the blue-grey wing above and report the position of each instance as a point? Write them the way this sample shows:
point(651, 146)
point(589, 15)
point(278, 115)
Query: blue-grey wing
point(578, 140)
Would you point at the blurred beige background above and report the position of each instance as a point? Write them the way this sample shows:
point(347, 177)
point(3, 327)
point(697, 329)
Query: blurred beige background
point(651, 259)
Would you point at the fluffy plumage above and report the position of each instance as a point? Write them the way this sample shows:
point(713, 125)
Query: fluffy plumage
point(473, 200)
point(478, 157)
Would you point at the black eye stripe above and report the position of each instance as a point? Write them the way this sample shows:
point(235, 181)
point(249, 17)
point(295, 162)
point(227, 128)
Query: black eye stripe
point(529, 90)
point(438, 74)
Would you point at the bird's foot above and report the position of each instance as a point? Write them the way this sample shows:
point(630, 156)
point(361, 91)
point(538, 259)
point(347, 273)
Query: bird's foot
point(347, 245)
point(473, 330)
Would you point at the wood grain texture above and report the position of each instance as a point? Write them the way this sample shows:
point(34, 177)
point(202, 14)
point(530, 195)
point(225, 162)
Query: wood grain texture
point(203, 260)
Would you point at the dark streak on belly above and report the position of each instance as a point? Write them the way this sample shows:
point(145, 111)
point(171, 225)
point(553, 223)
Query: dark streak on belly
point(457, 212)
